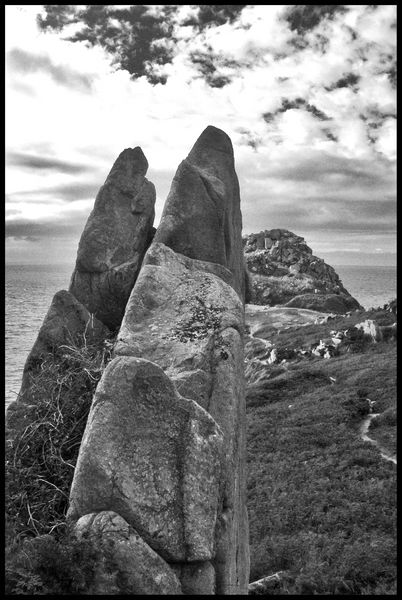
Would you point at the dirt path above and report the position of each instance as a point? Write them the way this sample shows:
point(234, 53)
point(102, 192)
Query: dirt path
point(363, 434)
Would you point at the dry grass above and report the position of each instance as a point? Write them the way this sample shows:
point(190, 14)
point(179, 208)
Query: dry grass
point(40, 458)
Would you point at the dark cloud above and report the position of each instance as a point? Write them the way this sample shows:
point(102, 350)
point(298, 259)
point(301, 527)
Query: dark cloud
point(320, 43)
point(66, 192)
point(305, 17)
point(35, 162)
point(297, 103)
point(248, 138)
point(268, 116)
point(373, 119)
point(316, 112)
point(348, 80)
point(26, 62)
point(329, 135)
point(216, 69)
point(209, 15)
point(392, 75)
point(139, 38)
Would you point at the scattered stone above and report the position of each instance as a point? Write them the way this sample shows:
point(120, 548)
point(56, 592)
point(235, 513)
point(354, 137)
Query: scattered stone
point(369, 328)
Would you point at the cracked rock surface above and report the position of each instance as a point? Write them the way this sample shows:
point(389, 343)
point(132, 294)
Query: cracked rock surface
point(164, 446)
point(115, 238)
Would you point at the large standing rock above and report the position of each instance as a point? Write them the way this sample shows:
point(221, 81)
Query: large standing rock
point(154, 458)
point(115, 238)
point(164, 446)
point(201, 218)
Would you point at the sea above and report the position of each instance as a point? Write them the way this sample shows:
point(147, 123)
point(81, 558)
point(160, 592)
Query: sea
point(30, 289)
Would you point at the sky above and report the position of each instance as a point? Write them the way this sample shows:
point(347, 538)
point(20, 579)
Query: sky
point(309, 103)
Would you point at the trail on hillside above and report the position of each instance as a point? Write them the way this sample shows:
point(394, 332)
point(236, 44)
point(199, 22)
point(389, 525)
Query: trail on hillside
point(363, 434)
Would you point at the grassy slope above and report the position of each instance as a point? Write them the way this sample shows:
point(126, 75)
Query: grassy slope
point(321, 501)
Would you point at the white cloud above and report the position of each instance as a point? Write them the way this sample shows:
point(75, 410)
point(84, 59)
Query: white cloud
point(386, 141)
point(165, 120)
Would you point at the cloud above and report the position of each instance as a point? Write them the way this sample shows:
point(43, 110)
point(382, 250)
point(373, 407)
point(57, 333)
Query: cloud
point(33, 161)
point(297, 103)
point(322, 168)
point(66, 192)
point(25, 63)
point(332, 216)
point(348, 80)
point(327, 137)
point(24, 228)
point(304, 17)
point(26, 238)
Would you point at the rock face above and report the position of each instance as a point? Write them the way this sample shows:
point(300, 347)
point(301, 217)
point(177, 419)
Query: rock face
point(283, 269)
point(138, 566)
point(331, 303)
point(164, 447)
point(112, 246)
point(153, 457)
point(115, 238)
point(210, 227)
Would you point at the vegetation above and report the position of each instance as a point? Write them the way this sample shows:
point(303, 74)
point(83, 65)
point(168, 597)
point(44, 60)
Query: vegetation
point(40, 461)
point(47, 564)
point(383, 429)
point(322, 502)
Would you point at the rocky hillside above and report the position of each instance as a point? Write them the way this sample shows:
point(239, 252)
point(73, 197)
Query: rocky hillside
point(283, 270)
point(321, 496)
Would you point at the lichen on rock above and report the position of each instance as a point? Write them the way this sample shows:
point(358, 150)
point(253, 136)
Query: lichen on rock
point(164, 446)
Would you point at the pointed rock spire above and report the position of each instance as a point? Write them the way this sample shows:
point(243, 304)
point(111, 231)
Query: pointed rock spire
point(115, 238)
point(202, 217)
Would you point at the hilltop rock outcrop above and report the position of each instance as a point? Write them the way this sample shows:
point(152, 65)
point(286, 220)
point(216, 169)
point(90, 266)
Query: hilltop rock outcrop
point(283, 270)
point(164, 446)
point(116, 236)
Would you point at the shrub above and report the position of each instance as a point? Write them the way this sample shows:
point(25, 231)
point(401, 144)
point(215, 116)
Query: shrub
point(356, 406)
point(321, 501)
point(46, 565)
point(40, 458)
point(387, 418)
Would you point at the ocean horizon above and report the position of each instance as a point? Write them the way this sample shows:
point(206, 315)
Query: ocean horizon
point(30, 289)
